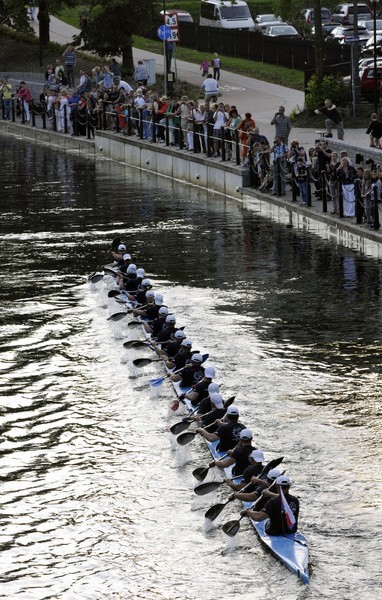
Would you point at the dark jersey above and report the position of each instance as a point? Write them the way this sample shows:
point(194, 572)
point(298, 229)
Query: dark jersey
point(165, 334)
point(180, 358)
point(277, 524)
point(241, 457)
point(202, 391)
point(157, 325)
point(229, 435)
point(217, 413)
point(191, 375)
point(131, 285)
point(152, 312)
point(252, 471)
point(141, 297)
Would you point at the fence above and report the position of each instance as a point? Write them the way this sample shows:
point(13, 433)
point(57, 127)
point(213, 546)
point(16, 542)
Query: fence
point(252, 45)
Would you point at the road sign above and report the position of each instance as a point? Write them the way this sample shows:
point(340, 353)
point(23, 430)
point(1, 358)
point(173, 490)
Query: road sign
point(164, 32)
point(174, 37)
point(351, 39)
point(171, 20)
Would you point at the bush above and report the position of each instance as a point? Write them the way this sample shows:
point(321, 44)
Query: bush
point(317, 92)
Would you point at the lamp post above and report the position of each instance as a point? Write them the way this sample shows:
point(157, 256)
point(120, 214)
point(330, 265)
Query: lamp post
point(376, 90)
point(165, 50)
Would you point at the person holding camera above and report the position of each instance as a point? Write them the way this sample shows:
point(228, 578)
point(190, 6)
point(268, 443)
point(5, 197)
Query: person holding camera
point(282, 124)
point(280, 152)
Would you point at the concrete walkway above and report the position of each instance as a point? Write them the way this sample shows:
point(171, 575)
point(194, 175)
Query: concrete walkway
point(260, 98)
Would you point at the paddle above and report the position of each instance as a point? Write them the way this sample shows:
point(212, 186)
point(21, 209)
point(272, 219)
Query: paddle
point(142, 362)
point(186, 438)
point(232, 527)
point(130, 343)
point(210, 486)
point(159, 380)
point(114, 293)
point(96, 278)
point(215, 510)
point(117, 316)
point(186, 421)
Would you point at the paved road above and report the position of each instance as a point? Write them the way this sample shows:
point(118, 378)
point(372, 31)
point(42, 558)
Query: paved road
point(260, 98)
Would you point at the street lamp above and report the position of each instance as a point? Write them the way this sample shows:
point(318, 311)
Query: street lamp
point(376, 90)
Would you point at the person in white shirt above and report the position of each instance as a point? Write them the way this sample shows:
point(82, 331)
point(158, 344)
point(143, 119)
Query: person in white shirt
point(221, 118)
point(210, 87)
point(125, 86)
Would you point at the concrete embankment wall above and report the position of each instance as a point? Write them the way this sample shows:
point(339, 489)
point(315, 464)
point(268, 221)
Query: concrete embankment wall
point(194, 169)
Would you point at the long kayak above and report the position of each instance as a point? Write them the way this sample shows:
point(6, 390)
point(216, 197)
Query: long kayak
point(290, 549)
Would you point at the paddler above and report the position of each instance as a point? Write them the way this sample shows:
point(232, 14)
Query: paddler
point(239, 456)
point(228, 431)
point(282, 509)
point(258, 485)
point(179, 360)
point(191, 374)
point(200, 391)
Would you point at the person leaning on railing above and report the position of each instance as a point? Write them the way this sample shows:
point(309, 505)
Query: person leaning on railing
point(232, 125)
point(6, 91)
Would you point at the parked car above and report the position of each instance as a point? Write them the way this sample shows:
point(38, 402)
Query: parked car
point(368, 83)
point(283, 31)
point(264, 21)
point(364, 63)
point(368, 50)
point(308, 15)
point(327, 29)
point(344, 13)
point(225, 14)
point(342, 33)
point(183, 15)
point(370, 26)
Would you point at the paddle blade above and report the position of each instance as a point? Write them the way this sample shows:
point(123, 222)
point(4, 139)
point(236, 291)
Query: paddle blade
point(134, 324)
point(156, 382)
point(96, 278)
point(130, 343)
point(231, 528)
point(229, 401)
point(140, 344)
point(272, 465)
point(214, 511)
point(200, 473)
point(174, 405)
point(117, 316)
point(186, 438)
point(179, 427)
point(142, 362)
point(113, 293)
point(207, 488)
point(109, 271)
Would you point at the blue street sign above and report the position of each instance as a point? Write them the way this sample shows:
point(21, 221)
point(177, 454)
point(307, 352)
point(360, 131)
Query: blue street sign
point(164, 32)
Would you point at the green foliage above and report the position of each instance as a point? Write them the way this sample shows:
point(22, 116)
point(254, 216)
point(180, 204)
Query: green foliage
point(14, 14)
point(331, 87)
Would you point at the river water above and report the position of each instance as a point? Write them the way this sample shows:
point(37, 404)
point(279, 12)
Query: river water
point(94, 502)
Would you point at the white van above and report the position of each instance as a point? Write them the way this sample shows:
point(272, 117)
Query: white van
point(225, 14)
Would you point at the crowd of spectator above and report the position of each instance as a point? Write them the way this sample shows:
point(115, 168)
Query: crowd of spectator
point(201, 126)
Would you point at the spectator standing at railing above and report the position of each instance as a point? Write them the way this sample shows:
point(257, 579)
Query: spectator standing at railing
point(245, 129)
point(24, 97)
point(61, 80)
point(108, 77)
point(347, 176)
point(70, 57)
point(174, 122)
point(333, 182)
point(367, 196)
point(62, 111)
point(234, 121)
point(6, 91)
point(301, 175)
point(282, 125)
point(333, 119)
point(280, 152)
point(182, 112)
point(256, 137)
point(85, 82)
point(159, 117)
point(221, 119)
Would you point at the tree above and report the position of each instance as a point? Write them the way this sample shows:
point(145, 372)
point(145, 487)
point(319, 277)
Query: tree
point(14, 14)
point(112, 23)
point(318, 41)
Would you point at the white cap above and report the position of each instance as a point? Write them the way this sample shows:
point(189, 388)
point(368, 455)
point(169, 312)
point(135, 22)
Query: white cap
point(146, 282)
point(170, 319)
point(159, 299)
point(273, 474)
point(179, 334)
point(213, 388)
point(217, 400)
point(209, 372)
point(257, 456)
point(131, 269)
point(121, 247)
point(140, 271)
point(246, 434)
point(197, 357)
point(126, 257)
point(233, 410)
point(150, 294)
point(283, 480)
point(186, 343)
point(163, 311)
